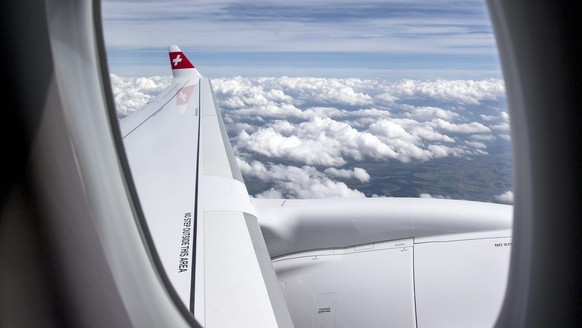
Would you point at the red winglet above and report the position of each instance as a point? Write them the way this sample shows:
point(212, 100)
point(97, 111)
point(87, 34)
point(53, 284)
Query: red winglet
point(180, 63)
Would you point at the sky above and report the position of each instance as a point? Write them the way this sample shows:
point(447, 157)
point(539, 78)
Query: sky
point(415, 39)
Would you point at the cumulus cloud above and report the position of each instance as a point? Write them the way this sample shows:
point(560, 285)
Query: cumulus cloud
point(425, 195)
point(311, 132)
point(317, 142)
point(506, 197)
point(483, 137)
point(428, 113)
point(240, 92)
point(458, 91)
point(335, 121)
point(503, 126)
point(132, 94)
point(488, 117)
point(465, 128)
point(476, 144)
point(298, 182)
point(357, 173)
point(323, 90)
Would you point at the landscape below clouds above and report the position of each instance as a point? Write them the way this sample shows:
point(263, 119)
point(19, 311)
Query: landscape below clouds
point(304, 137)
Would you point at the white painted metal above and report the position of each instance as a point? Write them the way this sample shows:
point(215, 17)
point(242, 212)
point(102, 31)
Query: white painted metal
point(296, 225)
point(461, 283)
point(130, 123)
point(234, 290)
point(363, 286)
point(160, 142)
point(235, 282)
point(454, 268)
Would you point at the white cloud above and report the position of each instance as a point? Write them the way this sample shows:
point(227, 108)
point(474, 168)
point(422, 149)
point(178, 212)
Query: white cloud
point(425, 195)
point(440, 151)
point(357, 173)
point(426, 132)
point(297, 182)
point(483, 137)
point(321, 126)
point(240, 92)
point(476, 144)
point(465, 128)
point(503, 126)
point(458, 91)
point(488, 117)
point(506, 197)
point(132, 94)
point(428, 113)
point(324, 90)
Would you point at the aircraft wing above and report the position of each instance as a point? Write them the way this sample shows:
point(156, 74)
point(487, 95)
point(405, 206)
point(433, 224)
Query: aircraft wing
point(197, 207)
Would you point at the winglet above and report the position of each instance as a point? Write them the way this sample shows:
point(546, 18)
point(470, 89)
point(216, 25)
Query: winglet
point(181, 66)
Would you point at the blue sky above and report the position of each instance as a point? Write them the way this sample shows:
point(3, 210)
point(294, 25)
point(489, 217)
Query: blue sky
point(387, 39)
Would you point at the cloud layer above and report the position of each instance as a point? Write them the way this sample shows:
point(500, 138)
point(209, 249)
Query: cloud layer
point(331, 122)
point(132, 93)
point(443, 26)
point(309, 137)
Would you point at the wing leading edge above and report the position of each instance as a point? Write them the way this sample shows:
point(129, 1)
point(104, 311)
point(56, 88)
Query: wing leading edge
point(161, 143)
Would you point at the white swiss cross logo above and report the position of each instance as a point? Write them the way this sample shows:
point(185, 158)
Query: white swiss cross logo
point(177, 60)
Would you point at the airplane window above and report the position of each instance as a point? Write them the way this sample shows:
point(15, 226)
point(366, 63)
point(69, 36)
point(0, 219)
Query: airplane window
point(358, 99)
point(396, 108)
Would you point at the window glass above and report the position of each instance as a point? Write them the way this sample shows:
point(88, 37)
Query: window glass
point(334, 99)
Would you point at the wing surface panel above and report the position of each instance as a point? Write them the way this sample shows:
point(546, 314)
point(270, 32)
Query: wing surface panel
point(233, 267)
point(161, 142)
point(133, 121)
point(219, 157)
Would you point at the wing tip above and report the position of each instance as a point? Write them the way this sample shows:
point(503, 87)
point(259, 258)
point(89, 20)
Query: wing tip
point(180, 64)
point(174, 48)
